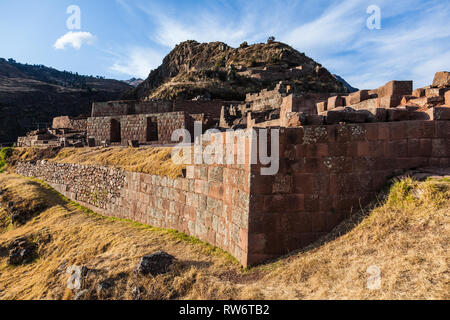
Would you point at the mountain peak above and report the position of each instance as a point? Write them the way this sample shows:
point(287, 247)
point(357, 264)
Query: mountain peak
point(220, 71)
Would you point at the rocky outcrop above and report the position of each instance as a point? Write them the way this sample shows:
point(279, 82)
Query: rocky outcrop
point(217, 71)
point(22, 251)
point(155, 264)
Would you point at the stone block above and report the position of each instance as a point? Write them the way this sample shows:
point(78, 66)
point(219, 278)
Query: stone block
point(394, 88)
point(418, 93)
point(436, 92)
point(397, 114)
point(441, 79)
point(322, 106)
point(314, 120)
point(357, 97)
point(215, 174)
point(439, 113)
point(447, 98)
point(405, 99)
point(375, 114)
point(334, 102)
point(190, 172)
point(339, 115)
point(387, 102)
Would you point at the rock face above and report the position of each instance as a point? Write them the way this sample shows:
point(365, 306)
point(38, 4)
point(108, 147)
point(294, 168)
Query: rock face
point(155, 264)
point(442, 79)
point(22, 251)
point(31, 96)
point(217, 71)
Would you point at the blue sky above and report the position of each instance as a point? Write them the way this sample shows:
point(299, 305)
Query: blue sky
point(124, 38)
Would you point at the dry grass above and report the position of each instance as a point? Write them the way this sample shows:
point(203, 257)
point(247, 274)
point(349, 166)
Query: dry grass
point(407, 238)
point(147, 160)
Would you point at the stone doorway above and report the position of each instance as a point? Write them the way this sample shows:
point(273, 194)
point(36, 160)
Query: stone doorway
point(152, 129)
point(115, 131)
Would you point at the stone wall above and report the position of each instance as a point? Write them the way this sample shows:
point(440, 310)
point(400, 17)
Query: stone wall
point(210, 203)
point(69, 123)
point(134, 127)
point(329, 172)
point(123, 108)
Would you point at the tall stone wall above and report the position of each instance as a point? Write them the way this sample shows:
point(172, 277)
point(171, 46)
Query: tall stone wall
point(123, 108)
point(67, 122)
point(329, 172)
point(326, 174)
point(210, 203)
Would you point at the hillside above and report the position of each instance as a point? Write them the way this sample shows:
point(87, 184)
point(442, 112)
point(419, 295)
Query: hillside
point(405, 235)
point(217, 71)
point(31, 95)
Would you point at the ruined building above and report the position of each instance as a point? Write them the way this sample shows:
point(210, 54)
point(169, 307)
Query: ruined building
point(336, 152)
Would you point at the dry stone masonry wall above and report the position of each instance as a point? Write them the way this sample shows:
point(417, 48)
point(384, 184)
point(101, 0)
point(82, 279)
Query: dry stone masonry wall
point(327, 172)
point(210, 203)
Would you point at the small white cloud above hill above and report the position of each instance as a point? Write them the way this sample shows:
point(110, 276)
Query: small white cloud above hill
point(74, 39)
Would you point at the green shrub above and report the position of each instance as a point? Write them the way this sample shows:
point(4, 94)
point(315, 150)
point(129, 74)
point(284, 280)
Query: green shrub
point(5, 153)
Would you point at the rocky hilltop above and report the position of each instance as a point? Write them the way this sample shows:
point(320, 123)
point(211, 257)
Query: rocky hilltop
point(215, 70)
point(31, 95)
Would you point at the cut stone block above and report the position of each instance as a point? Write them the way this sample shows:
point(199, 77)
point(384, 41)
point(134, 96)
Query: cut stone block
point(313, 119)
point(394, 88)
point(418, 93)
point(322, 106)
point(427, 101)
point(374, 114)
point(441, 79)
point(398, 114)
point(334, 102)
point(357, 97)
point(436, 92)
point(439, 113)
point(447, 98)
point(406, 99)
point(389, 101)
point(345, 115)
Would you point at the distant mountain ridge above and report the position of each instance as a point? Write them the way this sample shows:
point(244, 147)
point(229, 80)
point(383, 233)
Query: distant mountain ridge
point(133, 82)
point(31, 95)
point(345, 83)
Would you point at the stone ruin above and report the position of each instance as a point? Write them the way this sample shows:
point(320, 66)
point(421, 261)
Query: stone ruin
point(65, 132)
point(336, 154)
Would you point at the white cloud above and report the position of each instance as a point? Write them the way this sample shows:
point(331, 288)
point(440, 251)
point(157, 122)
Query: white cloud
point(211, 24)
point(74, 39)
point(413, 43)
point(138, 62)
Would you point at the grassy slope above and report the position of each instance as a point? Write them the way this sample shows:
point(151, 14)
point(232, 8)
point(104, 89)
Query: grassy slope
point(407, 238)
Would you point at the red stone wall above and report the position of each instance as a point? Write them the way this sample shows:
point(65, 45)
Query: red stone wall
point(210, 203)
point(122, 108)
point(329, 172)
point(134, 127)
point(326, 174)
